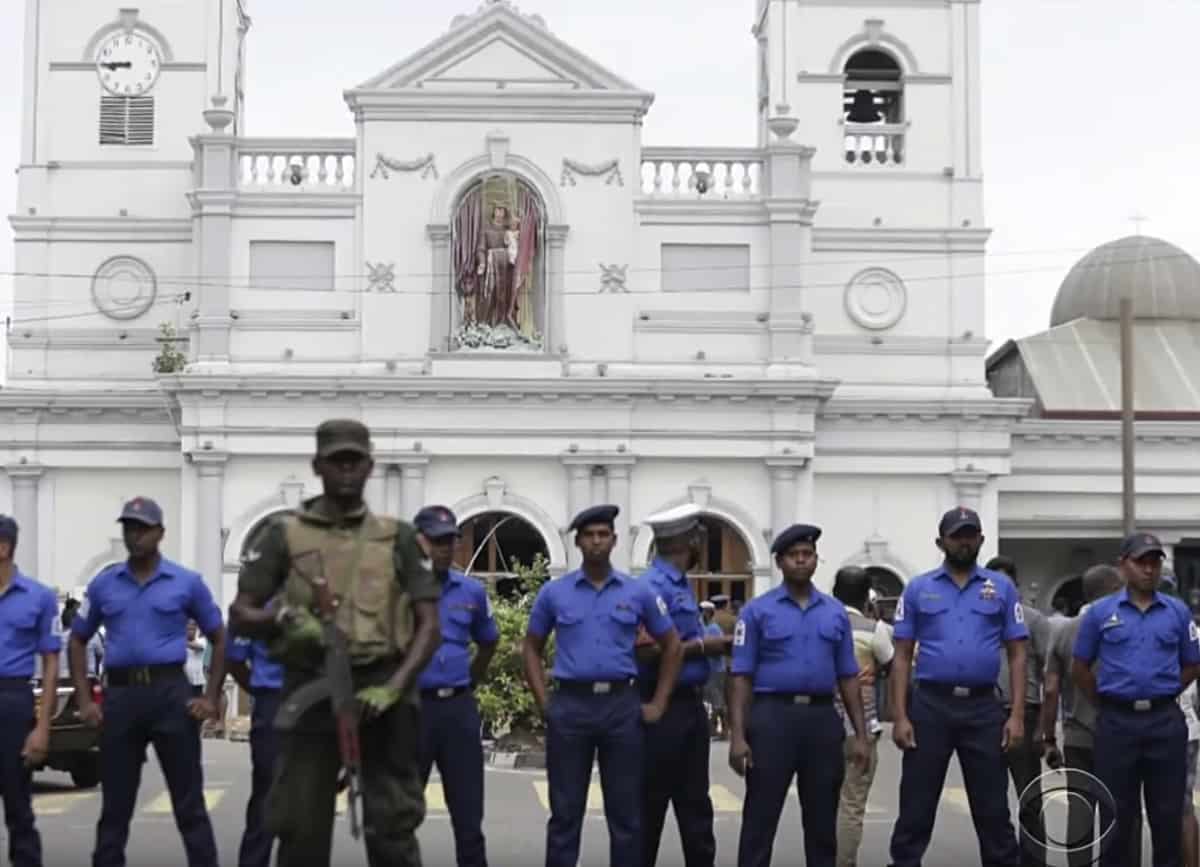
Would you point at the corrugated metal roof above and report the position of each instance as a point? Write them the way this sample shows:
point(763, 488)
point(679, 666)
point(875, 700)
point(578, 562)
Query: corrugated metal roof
point(1076, 367)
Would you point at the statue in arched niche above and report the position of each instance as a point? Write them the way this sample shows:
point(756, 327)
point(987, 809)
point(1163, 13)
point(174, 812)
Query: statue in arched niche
point(498, 274)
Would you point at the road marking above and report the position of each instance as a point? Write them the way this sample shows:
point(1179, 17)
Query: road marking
point(723, 800)
point(162, 804)
point(56, 805)
point(957, 798)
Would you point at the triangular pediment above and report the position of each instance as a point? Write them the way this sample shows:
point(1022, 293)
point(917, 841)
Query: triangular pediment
point(498, 48)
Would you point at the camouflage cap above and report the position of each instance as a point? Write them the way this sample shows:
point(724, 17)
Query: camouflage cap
point(343, 435)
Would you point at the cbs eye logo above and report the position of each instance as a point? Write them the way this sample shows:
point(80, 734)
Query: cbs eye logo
point(1078, 795)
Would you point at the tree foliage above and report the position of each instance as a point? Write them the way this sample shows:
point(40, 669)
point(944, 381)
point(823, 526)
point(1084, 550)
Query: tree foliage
point(505, 702)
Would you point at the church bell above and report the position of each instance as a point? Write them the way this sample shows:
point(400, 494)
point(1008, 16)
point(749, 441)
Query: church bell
point(863, 109)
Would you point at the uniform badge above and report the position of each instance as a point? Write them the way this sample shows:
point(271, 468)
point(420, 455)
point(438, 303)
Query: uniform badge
point(1019, 613)
point(662, 605)
point(739, 634)
point(1112, 621)
point(988, 591)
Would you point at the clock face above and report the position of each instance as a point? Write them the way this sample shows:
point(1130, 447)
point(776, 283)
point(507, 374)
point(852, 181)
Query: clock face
point(128, 64)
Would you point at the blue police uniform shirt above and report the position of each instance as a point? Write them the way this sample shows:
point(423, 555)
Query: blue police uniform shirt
point(1139, 654)
point(465, 615)
point(596, 630)
point(146, 624)
point(789, 649)
point(960, 632)
point(29, 626)
point(670, 585)
point(265, 672)
point(715, 663)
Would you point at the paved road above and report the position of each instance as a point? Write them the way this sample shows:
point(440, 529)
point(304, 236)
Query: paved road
point(516, 815)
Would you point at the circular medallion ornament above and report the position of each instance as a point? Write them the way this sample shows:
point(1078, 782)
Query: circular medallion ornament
point(124, 288)
point(876, 299)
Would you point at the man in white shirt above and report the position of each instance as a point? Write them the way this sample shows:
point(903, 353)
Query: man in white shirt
point(194, 664)
point(873, 650)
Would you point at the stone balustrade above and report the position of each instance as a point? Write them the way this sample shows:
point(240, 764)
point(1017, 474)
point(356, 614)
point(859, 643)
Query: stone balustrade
point(310, 165)
point(702, 173)
point(878, 144)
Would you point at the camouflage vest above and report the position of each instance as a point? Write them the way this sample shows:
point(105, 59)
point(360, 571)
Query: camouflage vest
point(864, 634)
point(374, 610)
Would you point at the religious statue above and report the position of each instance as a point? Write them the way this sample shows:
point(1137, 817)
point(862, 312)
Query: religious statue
point(495, 266)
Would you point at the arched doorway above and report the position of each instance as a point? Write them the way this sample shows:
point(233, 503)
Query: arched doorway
point(725, 567)
point(493, 544)
point(497, 241)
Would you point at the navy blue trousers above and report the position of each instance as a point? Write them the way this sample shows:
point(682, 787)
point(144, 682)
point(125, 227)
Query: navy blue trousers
point(972, 727)
point(16, 720)
point(450, 731)
point(257, 840)
point(134, 717)
point(789, 742)
point(676, 773)
point(579, 730)
point(1138, 751)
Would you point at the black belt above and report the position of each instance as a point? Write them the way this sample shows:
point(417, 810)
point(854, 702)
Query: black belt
point(955, 690)
point(1141, 705)
point(265, 690)
point(443, 693)
point(679, 693)
point(594, 687)
point(16, 683)
point(795, 697)
point(143, 675)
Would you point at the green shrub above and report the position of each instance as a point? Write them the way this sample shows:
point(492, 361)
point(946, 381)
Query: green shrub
point(505, 702)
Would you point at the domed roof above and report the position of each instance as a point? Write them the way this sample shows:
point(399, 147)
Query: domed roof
point(1163, 281)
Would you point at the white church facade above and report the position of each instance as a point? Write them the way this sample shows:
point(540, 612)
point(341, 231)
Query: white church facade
point(532, 309)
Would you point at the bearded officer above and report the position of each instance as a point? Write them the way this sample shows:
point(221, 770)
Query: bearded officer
point(1146, 650)
point(594, 613)
point(677, 746)
point(144, 605)
point(793, 647)
point(960, 614)
point(450, 722)
point(388, 612)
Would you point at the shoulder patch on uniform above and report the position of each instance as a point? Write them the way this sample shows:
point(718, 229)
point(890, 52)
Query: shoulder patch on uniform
point(487, 601)
point(662, 605)
point(1193, 633)
point(739, 634)
point(899, 610)
point(1018, 612)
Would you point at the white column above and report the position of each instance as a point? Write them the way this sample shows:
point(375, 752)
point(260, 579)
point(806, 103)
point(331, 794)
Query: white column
point(210, 473)
point(969, 486)
point(579, 497)
point(440, 304)
point(556, 317)
point(618, 495)
point(412, 486)
point(25, 480)
point(790, 213)
point(376, 492)
point(216, 161)
point(393, 483)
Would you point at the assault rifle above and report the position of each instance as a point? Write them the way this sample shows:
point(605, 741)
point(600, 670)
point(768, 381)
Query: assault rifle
point(336, 685)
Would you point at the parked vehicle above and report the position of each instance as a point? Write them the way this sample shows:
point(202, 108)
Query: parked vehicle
point(74, 746)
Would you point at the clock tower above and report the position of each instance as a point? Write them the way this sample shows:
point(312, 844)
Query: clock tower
point(112, 96)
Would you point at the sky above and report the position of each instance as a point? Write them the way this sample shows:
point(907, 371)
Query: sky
point(1084, 126)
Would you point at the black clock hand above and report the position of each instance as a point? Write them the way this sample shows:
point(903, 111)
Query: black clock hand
point(122, 64)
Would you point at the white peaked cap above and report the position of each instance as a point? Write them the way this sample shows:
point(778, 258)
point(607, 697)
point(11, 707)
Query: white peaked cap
point(675, 521)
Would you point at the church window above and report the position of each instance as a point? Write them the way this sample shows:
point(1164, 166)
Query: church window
point(873, 108)
point(497, 265)
point(493, 545)
point(127, 120)
point(724, 565)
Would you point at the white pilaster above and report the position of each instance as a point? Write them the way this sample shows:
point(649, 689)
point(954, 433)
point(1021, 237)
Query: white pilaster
point(412, 486)
point(579, 497)
point(212, 227)
point(210, 478)
point(618, 495)
point(440, 304)
point(790, 213)
point(26, 479)
point(556, 319)
point(393, 485)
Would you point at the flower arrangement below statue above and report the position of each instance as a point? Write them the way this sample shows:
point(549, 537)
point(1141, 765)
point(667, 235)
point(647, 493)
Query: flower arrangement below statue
point(481, 336)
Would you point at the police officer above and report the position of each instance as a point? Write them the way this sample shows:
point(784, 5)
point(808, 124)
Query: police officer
point(793, 648)
point(677, 746)
point(960, 614)
point(594, 613)
point(388, 612)
point(251, 666)
point(450, 724)
point(29, 632)
point(1146, 650)
point(144, 605)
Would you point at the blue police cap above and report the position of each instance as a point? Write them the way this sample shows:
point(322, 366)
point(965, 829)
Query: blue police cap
point(8, 529)
point(795, 534)
point(143, 510)
point(594, 515)
point(957, 519)
point(1138, 545)
point(436, 522)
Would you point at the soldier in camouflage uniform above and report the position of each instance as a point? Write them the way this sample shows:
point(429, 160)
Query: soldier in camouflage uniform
point(379, 571)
